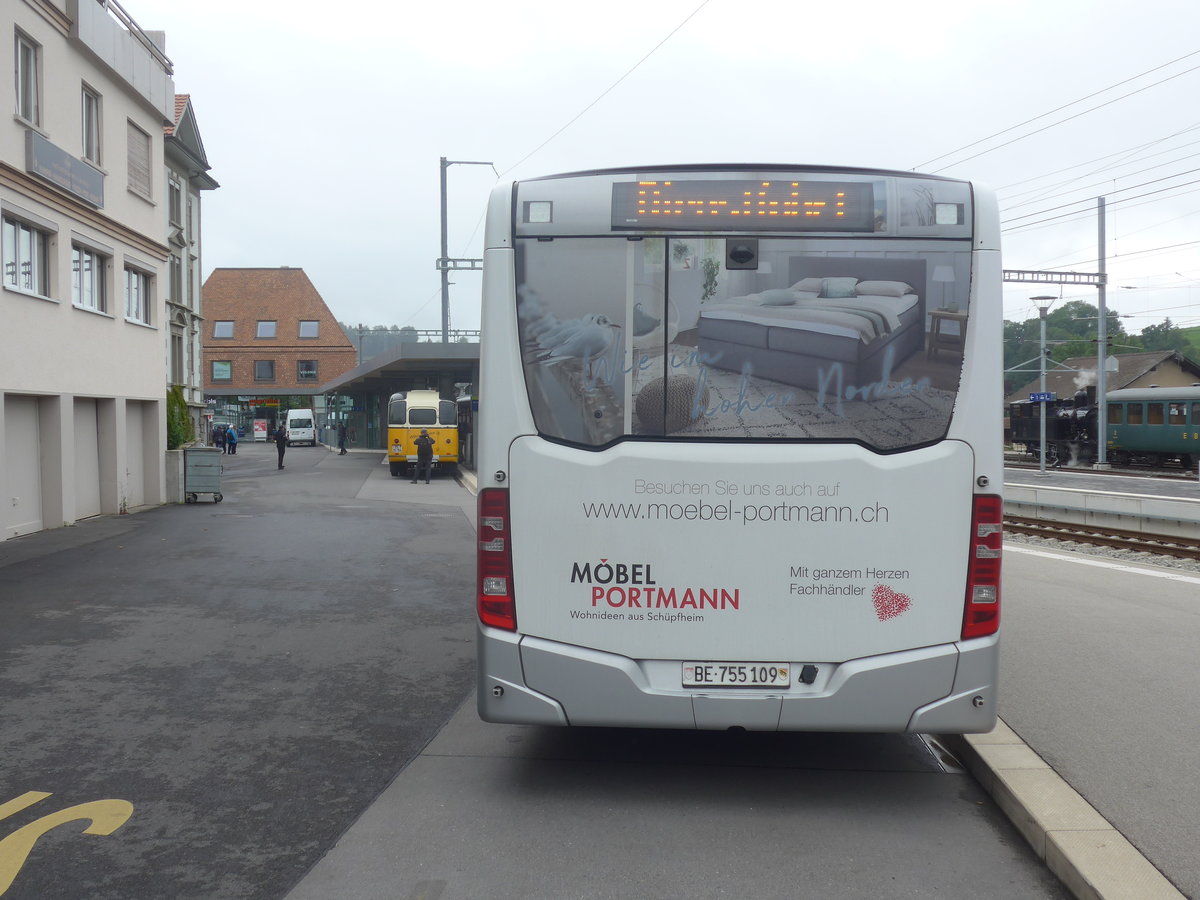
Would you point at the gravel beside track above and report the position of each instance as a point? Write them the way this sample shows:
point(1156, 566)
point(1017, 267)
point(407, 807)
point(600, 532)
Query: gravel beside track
point(1128, 556)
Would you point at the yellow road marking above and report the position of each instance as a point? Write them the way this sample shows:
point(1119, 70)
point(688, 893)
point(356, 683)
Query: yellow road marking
point(102, 816)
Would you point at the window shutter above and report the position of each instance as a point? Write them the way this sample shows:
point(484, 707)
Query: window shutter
point(139, 160)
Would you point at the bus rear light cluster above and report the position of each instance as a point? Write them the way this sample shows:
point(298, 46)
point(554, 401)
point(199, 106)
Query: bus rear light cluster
point(494, 594)
point(981, 615)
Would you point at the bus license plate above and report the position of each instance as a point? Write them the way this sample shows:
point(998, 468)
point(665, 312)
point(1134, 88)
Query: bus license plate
point(735, 674)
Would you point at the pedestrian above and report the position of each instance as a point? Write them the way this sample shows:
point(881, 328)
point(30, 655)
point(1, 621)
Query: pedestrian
point(341, 438)
point(219, 438)
point(281, 443)
point(231, 439)
point(424, 456)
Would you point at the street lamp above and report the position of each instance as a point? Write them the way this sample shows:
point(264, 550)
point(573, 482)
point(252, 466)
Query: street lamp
point(1043, 304)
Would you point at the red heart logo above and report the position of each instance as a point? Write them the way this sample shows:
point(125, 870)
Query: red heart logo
point(888, 603)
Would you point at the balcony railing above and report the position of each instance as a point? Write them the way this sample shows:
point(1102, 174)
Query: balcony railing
point(118, 12)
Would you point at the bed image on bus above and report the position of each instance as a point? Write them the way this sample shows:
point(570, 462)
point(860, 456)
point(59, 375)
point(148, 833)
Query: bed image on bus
point(410, 412)
point(727, 479)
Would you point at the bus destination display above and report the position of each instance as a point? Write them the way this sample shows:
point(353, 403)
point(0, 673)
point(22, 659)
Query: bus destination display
point(745, 204)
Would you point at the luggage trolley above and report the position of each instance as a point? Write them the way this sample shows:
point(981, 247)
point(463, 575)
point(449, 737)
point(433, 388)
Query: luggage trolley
point(201, 473)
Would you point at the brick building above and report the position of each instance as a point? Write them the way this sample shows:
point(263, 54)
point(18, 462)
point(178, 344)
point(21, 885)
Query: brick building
point(268, 343)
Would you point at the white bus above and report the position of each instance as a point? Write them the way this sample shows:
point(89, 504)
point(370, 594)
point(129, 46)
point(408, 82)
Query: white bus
point(740, 450)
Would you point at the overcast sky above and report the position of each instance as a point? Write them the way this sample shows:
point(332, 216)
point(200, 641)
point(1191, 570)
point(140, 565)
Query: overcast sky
point(324, 123)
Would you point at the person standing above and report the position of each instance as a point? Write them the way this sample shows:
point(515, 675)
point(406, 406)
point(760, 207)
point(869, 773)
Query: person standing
point(231, 439)
point(219, 438)
point(281, 443)
point(424, 456)
point(341, 438)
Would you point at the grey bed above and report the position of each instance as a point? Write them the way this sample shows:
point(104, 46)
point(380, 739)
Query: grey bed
point(777, 343)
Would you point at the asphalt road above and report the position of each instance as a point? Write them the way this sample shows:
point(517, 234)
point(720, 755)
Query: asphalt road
point(249, 675)
point(270, 697)
point(1099, 676)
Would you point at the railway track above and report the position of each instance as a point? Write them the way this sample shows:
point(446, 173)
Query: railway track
point(1121, 539)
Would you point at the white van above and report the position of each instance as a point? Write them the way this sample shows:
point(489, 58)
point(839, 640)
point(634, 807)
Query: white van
point(300, 427)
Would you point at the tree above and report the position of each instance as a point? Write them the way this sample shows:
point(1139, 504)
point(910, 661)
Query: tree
point(1165, 337)
point(1020, 349)
point(1071, 331)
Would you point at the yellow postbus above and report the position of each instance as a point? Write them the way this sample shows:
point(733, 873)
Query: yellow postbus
point(408, 413)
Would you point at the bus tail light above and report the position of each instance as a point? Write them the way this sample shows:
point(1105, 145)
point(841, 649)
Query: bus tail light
point(981, 615)
point(494, 589)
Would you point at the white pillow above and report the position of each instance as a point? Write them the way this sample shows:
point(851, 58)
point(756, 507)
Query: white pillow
point(801, 296)
point(807, 284)
point(776, 297)
point(842, 287)
point(883, 288)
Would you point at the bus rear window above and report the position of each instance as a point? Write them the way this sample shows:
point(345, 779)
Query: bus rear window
point(728, 338)
point(422, 416)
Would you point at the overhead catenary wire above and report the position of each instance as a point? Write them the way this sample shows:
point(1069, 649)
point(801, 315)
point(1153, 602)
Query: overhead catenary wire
point(1060, 109)
point(586, 109)
point(608, 89)
point(1085, 187)
point(1129, 151)
point(1007, 226)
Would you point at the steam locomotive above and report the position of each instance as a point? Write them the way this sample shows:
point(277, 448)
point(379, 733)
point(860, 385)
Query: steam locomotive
point(1152, 426)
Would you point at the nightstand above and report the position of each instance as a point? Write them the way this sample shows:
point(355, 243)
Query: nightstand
point(945, 340)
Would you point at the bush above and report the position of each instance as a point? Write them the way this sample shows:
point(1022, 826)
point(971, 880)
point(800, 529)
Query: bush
point(179, 423)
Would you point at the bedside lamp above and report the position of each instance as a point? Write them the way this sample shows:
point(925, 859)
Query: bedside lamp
point(945, 275)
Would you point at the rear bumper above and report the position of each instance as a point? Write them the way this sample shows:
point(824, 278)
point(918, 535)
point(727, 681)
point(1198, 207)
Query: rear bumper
point(950, 688)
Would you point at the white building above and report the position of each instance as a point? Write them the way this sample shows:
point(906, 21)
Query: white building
point(85, 332)
point(187, 176)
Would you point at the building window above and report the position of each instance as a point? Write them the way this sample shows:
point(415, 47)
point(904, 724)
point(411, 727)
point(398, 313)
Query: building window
point(28, 94)
point(91, 126)
point(139, 162)
point(177, 356)
point(264, 370)
point(223, 328)
point(266, 329)
point(88, 271)
point(310, 328)
point(175, 200)
point(137, 296)
point(175, 270)
point(222, 370)
point(306, 370)
point(26, 258)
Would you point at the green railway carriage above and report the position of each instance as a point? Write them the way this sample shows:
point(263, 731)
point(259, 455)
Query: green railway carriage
point(1154, 425)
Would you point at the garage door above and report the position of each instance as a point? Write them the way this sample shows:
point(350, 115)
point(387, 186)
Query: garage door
point(87, 460)
point(135, 448)
point(22, 501)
